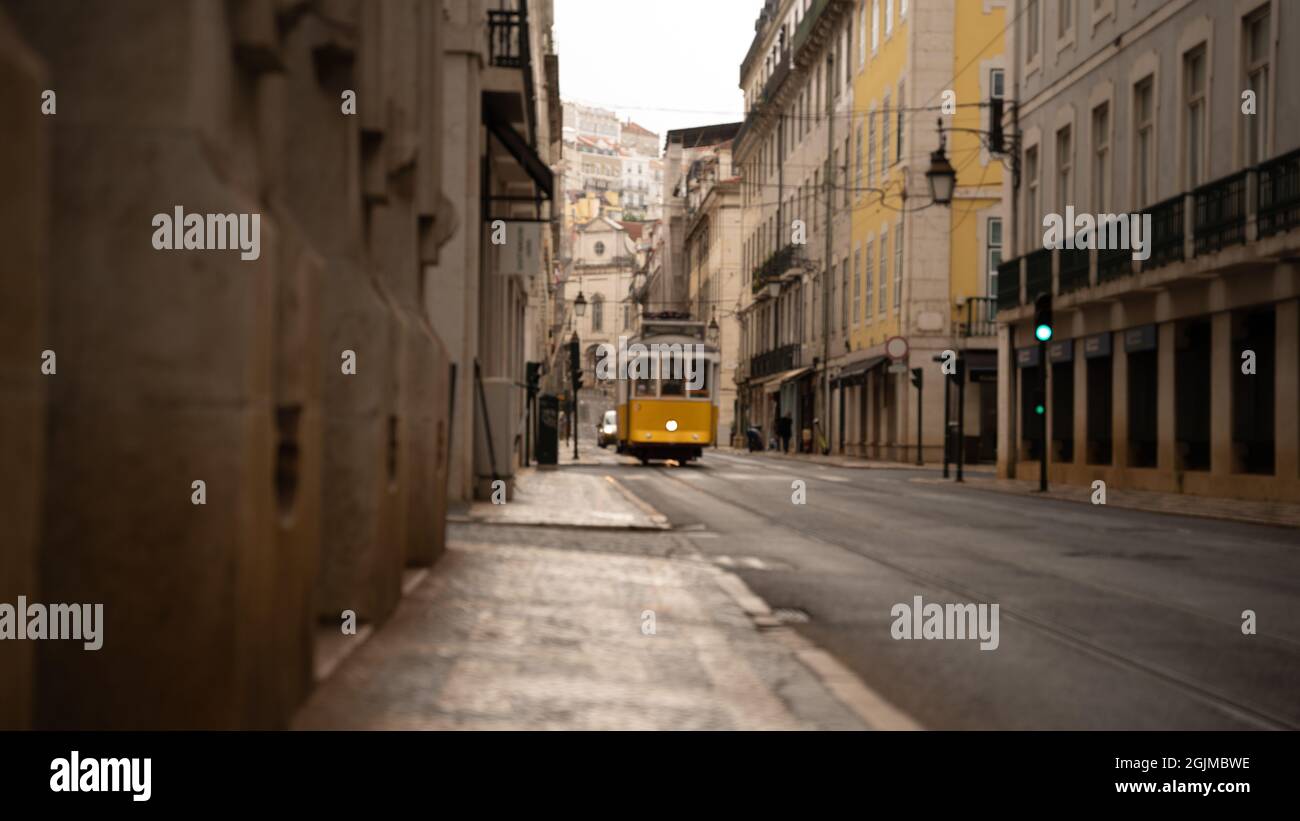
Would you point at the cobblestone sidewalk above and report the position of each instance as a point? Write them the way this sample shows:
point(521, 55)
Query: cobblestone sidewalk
point(520, 636)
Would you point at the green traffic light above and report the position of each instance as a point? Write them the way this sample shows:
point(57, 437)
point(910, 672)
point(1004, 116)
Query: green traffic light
point(1043, 332)
point(1040, 410)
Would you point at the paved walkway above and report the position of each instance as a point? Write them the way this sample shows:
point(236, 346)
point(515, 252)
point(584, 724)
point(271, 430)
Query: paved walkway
point(518, 636)
point(1182, 504)
point(564, 497)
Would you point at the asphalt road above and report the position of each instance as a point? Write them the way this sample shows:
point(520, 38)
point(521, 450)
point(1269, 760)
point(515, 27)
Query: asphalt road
point(1108, 618)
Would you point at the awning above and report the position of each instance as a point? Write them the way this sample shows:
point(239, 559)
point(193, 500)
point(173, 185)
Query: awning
point(521, 151)
point(857, 370)
point(773, 383)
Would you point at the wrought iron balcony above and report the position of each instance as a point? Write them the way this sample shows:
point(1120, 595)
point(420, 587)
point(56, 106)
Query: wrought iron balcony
point(776, 266)
point(507, 38)
point(780, 359)
point(1073, 269)
point(1278, 194)
point(1114, 263)
point(1168, 230)
point(1008, 284)
point(980, 315)
point(1220, 213)
point(1038, 274)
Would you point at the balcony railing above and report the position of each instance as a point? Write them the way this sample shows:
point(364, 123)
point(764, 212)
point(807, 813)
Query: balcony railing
point(1114, 263)
point(775, 266)
point(808, 23)
point(1220, 213)
point(1073, 269)
point(1008, 284)
point(980, 315)
point(1278, 194)
point(780, 359)
point(1038, 274)
point(1168, 230)
point(507, 38)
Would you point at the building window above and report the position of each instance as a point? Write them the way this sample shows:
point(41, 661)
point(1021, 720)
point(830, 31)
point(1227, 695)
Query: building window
point(598, 313)
point(993, 239)
point(844, 294)
point(871, 150)
point(898, 266)
point(1255, 50)
point(1194, 115)
point(1064, 166)
point(889, 17)
point(857, 285)
point(997, 83)
point(884, 140)
point(1065, 18)
point(884, 268)
point(858, 176)
point(875, 25)
point(1031, 194)
point(600, 248)
point(1143, 141)
point(870, 287)
point(862, 34)
point(1031, 31)
point(898, 141)
point(1100, 156)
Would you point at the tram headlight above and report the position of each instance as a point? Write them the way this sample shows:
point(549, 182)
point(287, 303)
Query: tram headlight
point(672, 425)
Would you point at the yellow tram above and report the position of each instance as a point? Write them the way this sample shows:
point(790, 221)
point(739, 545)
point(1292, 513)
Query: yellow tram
point(667, 395)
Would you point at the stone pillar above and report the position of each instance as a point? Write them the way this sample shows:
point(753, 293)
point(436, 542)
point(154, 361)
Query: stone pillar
point(1166, 430)
point(1007, 444)
point(25, 238)
point(1287, 393)
point(1080, 374)
point(1221, 365)
point(1119, 455)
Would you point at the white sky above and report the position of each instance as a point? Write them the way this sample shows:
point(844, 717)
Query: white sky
point(664, 63)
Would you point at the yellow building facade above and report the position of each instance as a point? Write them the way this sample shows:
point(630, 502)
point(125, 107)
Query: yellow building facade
point(915, 269)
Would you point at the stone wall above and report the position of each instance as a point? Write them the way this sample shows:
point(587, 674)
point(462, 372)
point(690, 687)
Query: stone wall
point(177, 366)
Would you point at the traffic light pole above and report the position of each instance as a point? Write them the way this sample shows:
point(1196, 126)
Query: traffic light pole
point(918, 378)
point(1042, 436)
point(961, 417)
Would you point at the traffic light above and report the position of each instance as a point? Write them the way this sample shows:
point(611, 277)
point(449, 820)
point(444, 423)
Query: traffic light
point(575, 364)
point(1043, 318)
point(917, 375)
point(533, 371)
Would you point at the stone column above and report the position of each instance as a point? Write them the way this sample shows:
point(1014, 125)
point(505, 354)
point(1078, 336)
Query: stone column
point(1222, 361)
point(1007, 444)
point(25, 239)
point(1119, 455)
point(1166, 431)
point(1287, 392)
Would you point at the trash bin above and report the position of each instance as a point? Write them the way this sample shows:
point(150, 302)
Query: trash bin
point(547, 450)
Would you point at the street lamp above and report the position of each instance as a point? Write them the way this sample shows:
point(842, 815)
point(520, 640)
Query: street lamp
point(941, 176)
point(713, 330)
point(580, 304)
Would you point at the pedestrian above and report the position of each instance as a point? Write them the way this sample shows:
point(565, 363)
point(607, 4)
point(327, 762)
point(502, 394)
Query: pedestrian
point(785, 429)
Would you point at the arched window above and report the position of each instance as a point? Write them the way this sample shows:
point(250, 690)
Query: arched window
point(598, 313)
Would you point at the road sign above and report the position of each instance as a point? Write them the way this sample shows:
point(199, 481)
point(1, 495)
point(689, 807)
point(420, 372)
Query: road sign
point(896, 348)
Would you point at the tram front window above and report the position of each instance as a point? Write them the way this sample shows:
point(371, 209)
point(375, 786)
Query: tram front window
point(645, 388)
point(672, 387)
point(697, 386)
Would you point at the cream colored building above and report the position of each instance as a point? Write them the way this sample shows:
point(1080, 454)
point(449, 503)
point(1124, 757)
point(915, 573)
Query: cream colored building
point(1179, 372)
point(713, 262)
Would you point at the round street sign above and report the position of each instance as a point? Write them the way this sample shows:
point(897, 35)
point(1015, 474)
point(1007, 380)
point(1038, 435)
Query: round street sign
point(896, 348)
